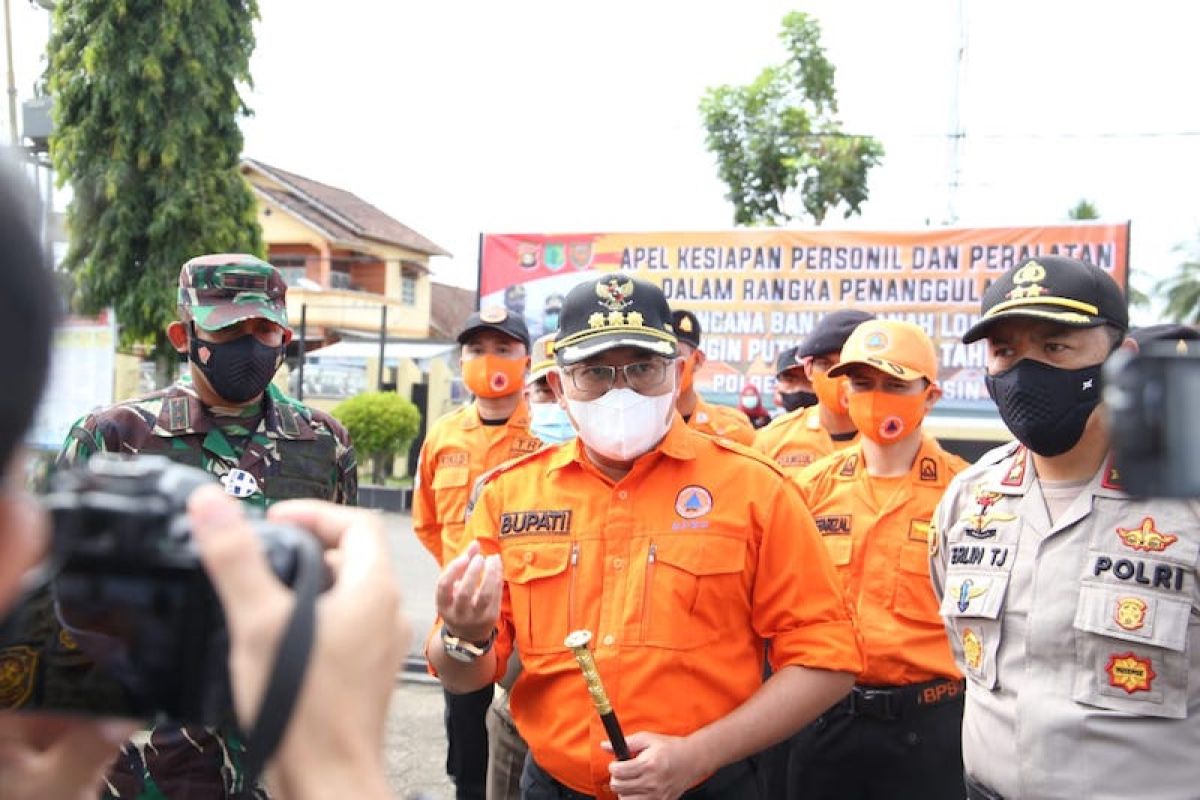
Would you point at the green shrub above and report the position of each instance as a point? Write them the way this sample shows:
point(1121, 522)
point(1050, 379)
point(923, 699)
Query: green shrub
point(381, 425)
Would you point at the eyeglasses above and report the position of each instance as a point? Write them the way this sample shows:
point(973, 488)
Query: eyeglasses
point(641, 376)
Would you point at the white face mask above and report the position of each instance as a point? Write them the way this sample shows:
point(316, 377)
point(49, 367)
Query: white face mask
point(622, 424)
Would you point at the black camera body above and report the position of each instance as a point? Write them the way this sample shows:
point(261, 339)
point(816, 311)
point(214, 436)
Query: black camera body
point(1153, 400)
point(130, 593)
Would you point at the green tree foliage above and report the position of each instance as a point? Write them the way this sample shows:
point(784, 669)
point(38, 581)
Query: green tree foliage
point(1183, 288)
point(779, 145)
point(381, 424)
point(1084, 209)
point(146, 103)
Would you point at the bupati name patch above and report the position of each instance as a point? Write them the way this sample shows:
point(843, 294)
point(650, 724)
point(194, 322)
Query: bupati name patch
point(518, 523)
point(834, 524)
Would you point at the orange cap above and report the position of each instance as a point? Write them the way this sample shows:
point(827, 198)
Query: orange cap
point(897, 348)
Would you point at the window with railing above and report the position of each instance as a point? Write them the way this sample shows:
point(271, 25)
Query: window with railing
point(408, 286)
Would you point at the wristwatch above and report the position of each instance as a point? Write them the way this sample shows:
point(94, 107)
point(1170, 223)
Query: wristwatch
point(461, 650)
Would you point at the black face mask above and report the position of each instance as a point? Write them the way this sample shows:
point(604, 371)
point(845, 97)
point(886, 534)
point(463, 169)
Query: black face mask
point(794, 400)
point(238, 370)
point(1045, 407)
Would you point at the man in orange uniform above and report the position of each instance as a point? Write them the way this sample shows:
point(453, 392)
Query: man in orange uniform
point(705, 417)
point(680, 552)
point(898, 733)
point(459, 448)
point(800, 437)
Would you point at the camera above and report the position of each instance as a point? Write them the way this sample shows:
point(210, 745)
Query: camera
point(126, 622)
point(1154, 421)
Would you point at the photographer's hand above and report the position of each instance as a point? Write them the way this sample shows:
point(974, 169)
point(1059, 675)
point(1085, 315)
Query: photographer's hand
point(333, 746)
point(45, 755)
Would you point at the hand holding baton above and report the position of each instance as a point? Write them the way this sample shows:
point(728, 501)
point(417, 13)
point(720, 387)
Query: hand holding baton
point(578, 642)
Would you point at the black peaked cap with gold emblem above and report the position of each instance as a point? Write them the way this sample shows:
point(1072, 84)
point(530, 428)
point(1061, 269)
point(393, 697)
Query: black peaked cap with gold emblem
point(687, 327)
point(1056, 289)
point(613, 311)
point(495, 318)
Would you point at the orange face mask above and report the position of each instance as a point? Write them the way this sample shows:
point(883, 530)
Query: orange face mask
point(689, 369)
point(832, 392)
point(492, 376)
point(884, 417)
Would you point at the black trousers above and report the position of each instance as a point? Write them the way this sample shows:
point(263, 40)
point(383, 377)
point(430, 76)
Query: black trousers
point(738, 781)
point(467, 742)
point(845, 755)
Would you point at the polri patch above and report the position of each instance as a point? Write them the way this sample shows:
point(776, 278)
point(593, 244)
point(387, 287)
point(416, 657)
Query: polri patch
point(1130, 612)
point(1129, 672)
point(1146, 538)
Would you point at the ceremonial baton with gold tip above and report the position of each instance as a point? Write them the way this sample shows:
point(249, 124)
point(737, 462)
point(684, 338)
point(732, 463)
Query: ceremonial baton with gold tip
point(578, 642)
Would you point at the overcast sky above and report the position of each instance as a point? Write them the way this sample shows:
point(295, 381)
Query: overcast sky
point(458, 118)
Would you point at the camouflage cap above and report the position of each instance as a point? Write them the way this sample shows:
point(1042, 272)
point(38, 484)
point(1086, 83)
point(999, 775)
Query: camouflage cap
point(219, 290)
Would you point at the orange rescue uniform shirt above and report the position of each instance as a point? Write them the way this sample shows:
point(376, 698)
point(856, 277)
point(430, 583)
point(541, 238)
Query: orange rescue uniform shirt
point(458, 450)
point(680, 570)
point(797, 439)
point(724, 421)
point(876, 531)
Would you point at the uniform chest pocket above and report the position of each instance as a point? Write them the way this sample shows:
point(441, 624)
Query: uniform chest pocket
point(692, 590)
point(913, 596)
point(1131, 651)
point(450, 491)
point(541, 585)
point(840, 547)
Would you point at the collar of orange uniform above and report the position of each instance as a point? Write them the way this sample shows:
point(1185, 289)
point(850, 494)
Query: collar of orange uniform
point(518, 419)
point(927, 468)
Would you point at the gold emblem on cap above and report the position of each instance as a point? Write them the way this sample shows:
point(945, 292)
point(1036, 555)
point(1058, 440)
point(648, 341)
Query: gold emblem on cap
point(614, 295)
point(1027, 281)
point(493, 314)
point(685, 324)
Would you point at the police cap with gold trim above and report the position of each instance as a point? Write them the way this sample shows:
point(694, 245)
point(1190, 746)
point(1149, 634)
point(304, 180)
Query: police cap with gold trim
point(495, 318)
point(1056, 289)
point(613, 311)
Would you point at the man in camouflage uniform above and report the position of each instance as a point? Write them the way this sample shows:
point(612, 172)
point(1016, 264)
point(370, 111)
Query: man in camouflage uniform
point(225, 417)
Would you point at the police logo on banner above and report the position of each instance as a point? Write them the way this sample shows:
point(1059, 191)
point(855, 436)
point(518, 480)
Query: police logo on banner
point(239, 483)
point(693, 502)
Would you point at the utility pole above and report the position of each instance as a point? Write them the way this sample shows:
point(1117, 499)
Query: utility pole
point(956, 127)
point(14, 140)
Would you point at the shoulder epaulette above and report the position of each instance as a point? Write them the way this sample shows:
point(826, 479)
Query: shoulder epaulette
point(726, 443)
point(998, 454)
